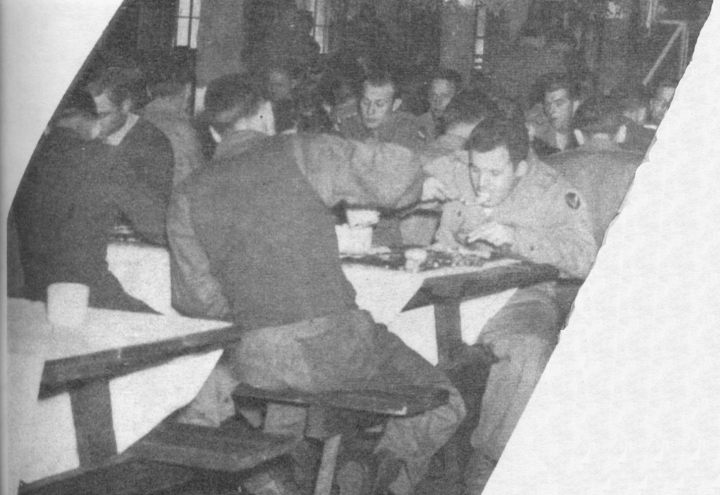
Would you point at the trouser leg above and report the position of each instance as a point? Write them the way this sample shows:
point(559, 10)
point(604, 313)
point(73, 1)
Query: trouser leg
point(522, 336)
point(416, 439)
point(348, 351)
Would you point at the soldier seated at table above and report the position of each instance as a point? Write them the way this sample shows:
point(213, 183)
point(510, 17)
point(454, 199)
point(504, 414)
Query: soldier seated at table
point(69, 200)
point(527, 209)
point(380, 119)
point(444, 85)
point(445, 159)
point(253, 241)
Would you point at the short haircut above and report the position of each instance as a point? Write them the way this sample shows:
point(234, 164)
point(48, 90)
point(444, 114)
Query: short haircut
point(599, 115)
point(120, 84)
point(559, 80)
point(447, 75)
point(469, 106)
point(496, 131)
point(230, 98)
point(378, 78)
point(632, 98)
point(168, 74)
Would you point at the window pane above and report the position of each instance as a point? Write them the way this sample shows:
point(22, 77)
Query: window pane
point(196, 8)
point(184, 8)
point(194, 33)
point(479, 47)
point(182, 32)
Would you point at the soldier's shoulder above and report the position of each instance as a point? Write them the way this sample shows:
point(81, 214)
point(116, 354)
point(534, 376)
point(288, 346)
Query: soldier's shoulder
point(555, 188)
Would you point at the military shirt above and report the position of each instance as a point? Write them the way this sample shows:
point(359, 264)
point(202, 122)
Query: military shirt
point(401, 128)
point(549, 217)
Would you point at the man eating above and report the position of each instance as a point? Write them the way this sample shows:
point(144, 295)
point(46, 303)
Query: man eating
point(524, 208)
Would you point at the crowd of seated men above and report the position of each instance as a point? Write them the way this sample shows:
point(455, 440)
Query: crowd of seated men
point(246, 196)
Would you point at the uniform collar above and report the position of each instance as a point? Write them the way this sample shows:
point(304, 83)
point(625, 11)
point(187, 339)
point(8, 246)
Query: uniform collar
point(117, 137)
point(236, 142)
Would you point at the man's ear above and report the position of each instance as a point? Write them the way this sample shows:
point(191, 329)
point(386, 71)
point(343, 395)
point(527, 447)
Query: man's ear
point(521, 168)
point(396, 104)
point(579, 136)
point(621, 134)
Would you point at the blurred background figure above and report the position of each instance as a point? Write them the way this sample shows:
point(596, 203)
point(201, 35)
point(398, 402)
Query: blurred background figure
point(170, 86)
point(444, 85)
point(660, 102)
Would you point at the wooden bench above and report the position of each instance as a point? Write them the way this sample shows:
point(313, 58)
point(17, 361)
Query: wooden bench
point(334, 415)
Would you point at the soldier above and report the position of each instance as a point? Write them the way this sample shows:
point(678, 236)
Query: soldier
point(253, 241)
point(527, 208)
point(443, 87)
point(445, 159)
point(553, 133)
point(379, 119)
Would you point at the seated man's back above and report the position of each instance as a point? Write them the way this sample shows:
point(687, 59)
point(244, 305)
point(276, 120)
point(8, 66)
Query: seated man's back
point(599, 168)
point(66, 206)
point(253, 240)
point(602, 176)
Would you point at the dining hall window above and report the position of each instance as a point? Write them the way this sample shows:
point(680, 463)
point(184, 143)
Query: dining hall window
point(480, 16)
point(321, 24)
point(188, 21)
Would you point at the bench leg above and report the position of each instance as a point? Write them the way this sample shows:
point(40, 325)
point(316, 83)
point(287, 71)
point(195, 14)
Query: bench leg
point(326, 473)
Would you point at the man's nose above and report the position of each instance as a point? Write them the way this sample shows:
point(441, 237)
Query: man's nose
point(484, 181)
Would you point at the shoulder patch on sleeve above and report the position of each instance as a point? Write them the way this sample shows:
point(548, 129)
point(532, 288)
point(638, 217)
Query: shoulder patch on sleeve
point(572, 200)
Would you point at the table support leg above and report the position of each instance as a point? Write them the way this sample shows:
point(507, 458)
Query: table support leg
point(326, 473)
point(92, 417)
point(448, 335)
point(447, 330)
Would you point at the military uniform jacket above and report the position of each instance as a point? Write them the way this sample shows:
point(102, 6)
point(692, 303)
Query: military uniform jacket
point(549, 217)
point(401, 128)
point(252, 236)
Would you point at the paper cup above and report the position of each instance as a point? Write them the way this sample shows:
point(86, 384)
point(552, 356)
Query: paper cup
point(361, 217)
point(67, 304)
point(354, 240)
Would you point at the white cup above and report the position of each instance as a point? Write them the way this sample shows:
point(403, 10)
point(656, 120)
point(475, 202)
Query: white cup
point(67, 304)
point(354, 240)
point(361, 217)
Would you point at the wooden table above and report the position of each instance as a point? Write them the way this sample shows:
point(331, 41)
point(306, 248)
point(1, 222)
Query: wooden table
point(78, 396)
point(389, 295)
point(446, 293)
point(87, 379)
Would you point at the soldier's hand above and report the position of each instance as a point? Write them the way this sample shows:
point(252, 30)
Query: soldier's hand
point(494, 233)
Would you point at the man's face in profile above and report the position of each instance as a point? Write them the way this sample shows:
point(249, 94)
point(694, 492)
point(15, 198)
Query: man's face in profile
point(111, 117)
point(559, 108)
point(376, 105)
point(440, 93)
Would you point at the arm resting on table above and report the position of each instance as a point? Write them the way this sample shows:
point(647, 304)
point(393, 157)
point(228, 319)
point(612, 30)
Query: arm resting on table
point(195, 291)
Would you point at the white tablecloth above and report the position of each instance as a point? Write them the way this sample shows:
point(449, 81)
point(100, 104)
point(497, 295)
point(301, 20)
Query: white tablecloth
point(42, 435)
point(144, 272)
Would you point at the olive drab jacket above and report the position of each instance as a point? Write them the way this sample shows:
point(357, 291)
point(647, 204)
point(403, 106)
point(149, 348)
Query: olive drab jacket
point(252, 236)
point(549, 217)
